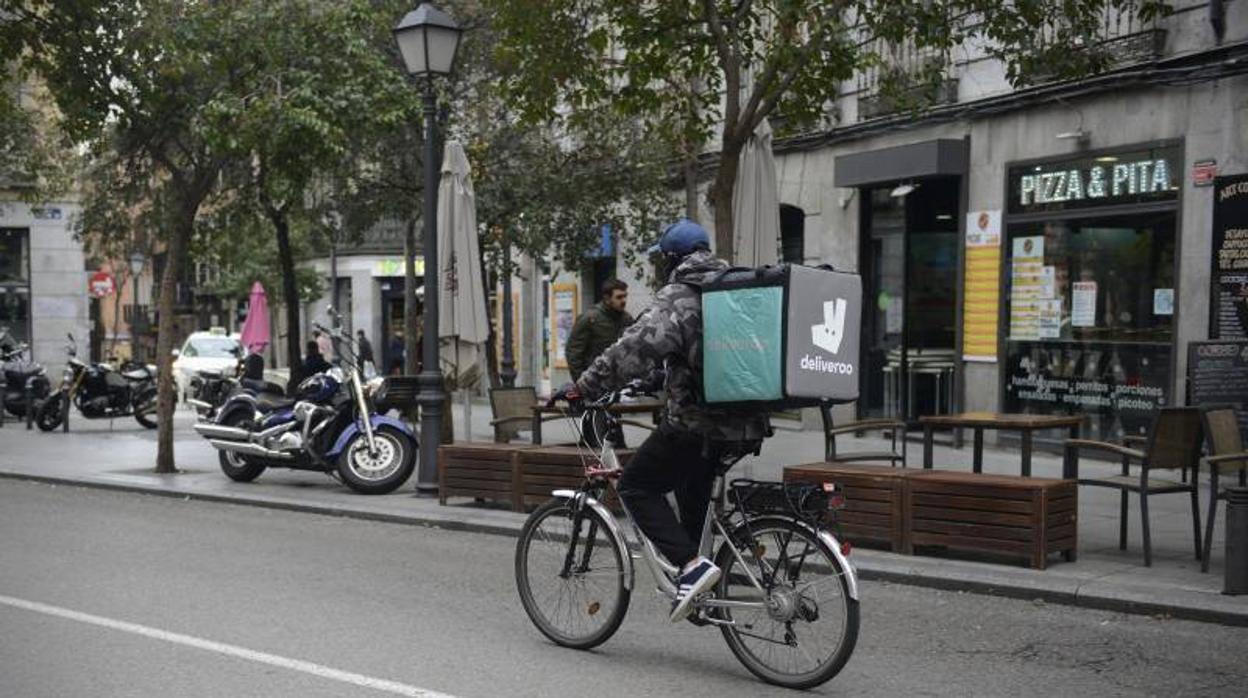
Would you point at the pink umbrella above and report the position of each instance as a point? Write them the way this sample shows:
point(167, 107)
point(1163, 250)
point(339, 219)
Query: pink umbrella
point(255, 334)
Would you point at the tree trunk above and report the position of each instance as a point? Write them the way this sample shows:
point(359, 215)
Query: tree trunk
point(166, 400)
point(721, 199)
point(691, 185)
point(290, 294)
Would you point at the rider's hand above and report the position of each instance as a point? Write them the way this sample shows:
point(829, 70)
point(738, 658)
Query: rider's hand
point(567, 393)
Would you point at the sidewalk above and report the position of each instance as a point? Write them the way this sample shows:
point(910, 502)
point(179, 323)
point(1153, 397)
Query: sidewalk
point(1103, 577)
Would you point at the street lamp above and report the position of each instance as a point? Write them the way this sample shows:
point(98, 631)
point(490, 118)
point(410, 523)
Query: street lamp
point(136, 267)
point(428, 39)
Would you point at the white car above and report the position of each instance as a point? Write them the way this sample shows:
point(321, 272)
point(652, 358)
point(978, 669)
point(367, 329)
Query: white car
point(212, 351)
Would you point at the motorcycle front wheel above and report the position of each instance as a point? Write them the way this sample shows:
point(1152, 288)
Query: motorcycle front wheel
point(145, 413)
point(51, 413)
point(383, 470)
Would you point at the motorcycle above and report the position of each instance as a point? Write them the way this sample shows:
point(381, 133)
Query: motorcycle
point(100, 392)
point(25, 382)
point(210, 390)
point(331, 425)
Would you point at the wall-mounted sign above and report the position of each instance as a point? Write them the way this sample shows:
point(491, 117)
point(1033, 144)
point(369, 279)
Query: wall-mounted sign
point(1204, 172)
point(1228, 307)
point(101, 284)
point(1111, 179)
point(982, 283)
point(395, 267)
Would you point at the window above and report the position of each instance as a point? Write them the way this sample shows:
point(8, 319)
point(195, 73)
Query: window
point(15, 282)
point(1091, 318)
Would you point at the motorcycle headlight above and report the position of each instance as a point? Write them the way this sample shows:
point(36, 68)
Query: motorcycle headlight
point(373, 385)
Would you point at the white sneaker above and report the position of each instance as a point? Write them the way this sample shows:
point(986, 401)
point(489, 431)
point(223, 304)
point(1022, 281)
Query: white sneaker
point(690, 584)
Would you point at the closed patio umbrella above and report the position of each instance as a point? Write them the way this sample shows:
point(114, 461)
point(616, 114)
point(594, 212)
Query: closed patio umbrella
point(463, 327)
point(255, 335)
point(756, 203)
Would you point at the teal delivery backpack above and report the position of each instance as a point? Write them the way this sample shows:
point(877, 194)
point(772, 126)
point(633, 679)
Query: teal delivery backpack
point(780, 337)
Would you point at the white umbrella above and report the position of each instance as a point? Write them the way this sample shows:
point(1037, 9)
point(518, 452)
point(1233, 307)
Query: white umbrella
point(463, 327)
point(756, 202)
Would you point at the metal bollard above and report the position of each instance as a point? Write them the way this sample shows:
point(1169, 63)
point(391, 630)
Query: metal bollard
point(1236, 541)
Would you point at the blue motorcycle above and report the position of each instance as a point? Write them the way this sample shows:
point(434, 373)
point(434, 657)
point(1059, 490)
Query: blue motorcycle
point(333, 424)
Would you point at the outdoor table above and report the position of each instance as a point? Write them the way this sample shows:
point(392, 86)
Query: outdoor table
point(979, 421)
point(650, 407)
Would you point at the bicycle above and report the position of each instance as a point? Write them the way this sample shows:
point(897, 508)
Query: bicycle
point(785, 576)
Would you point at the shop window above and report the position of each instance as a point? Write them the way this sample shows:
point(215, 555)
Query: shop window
point(1091, 318)
point(15, 283)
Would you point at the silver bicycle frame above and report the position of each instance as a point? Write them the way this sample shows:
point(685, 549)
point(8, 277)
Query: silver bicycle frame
point(663, 571)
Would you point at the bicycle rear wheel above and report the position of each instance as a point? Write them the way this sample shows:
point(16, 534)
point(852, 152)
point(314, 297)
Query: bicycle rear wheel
point(581, 603)
point(808, 628)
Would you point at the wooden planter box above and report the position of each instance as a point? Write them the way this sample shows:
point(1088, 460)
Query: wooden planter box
point(1024, 517)
point(540, 470)
point(874, 499)
point(480, 470)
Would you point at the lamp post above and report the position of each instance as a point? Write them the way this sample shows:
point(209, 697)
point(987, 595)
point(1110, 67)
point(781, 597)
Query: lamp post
point(428, 39)
point(507, 372)
point(137, 259)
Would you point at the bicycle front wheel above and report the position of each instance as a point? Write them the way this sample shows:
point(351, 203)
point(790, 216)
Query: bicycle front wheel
point(571, 577)
point(805, 628)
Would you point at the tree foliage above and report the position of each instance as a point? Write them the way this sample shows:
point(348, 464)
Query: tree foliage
point(755, 58)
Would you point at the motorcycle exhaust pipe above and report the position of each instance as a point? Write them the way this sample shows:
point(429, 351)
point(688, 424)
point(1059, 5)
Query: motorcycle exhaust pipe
point(248, 449)
point(198, 404)
point(217, 431)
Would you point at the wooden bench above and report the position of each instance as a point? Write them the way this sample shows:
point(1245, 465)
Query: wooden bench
point(480, 470)
point(875, 496)
point(539, 470)
point(1025, 517)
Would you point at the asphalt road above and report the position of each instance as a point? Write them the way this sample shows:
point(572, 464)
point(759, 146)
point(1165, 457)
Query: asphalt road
point(114, 594)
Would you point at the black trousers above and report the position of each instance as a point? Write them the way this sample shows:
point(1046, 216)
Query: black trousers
point(670, 460)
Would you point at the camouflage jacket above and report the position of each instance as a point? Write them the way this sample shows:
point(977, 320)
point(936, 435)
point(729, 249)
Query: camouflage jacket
point(669, 335)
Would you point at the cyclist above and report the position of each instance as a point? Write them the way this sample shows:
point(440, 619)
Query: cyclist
point(684, 452)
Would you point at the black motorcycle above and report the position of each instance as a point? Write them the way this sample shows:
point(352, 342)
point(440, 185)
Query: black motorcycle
point(25, 382)
point(100, 392)
point(210, 390)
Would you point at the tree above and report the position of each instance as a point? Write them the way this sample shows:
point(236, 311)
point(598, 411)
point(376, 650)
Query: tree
point(318, 87)
point(754, 58)
point(151, 76)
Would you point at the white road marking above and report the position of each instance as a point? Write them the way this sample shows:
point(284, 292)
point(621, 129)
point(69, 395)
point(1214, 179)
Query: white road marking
point(299, 665)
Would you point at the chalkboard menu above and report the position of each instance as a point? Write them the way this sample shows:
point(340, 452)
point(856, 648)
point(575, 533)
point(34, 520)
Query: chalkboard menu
point(1217, 374)
point(1228, 308)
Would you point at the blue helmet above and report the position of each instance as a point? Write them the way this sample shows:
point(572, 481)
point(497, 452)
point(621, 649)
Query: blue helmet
point(682, 238)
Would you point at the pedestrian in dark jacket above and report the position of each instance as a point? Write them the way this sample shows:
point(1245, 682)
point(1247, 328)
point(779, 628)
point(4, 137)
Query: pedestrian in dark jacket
point(313, 362)
point(366, 347)
point(598, 328)
point(683, 453)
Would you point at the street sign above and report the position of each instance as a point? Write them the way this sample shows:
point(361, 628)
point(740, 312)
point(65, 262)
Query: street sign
point(101, 284)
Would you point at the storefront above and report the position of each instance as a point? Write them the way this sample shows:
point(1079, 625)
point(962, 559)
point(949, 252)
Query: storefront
point(1090, 281)
point(15, 283)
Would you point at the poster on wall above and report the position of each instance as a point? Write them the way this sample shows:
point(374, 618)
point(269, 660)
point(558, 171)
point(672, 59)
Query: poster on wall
point(1029, 284)
point(981, 298)
point(1228, 308)
point(1083, 304)
point(562, 317)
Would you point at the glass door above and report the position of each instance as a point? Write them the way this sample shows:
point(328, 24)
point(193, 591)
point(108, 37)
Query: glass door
point(909, 265)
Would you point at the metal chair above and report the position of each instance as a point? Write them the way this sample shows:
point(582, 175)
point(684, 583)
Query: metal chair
point(1226, 453)
point(831, 431)
point(1173, 443)
point(512, 412)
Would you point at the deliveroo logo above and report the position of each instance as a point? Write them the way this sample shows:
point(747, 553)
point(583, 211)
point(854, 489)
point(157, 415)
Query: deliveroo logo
point(828, 336)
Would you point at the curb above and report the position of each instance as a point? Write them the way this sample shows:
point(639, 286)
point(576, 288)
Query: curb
point(1064, 598)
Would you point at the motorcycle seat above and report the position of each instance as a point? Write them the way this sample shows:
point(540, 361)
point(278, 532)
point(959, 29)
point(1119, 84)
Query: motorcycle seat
point(261, 386)
point(267, 402)
point(209, 373)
